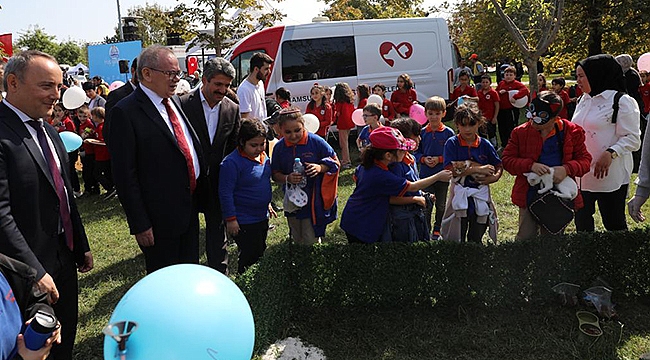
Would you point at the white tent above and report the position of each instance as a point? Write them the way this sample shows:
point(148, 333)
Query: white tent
point(74, 69)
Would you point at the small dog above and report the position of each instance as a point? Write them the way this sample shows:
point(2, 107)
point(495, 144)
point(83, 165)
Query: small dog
point(566, 189)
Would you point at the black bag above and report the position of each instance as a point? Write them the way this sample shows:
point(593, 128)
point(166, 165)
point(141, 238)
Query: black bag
point(551, 212)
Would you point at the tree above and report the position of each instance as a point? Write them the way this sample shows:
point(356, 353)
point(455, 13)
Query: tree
point(378, 9)
point(69, 53)
point(155, 23)
point(35, 38)
point(211, 14)
point(547, 21)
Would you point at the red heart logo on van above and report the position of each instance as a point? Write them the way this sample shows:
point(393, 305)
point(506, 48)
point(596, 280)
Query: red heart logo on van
point(403, 50)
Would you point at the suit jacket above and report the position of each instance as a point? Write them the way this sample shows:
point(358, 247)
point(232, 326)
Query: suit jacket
point(149, 169)
point(113, 98)
point(29, 205)
point(224, 142)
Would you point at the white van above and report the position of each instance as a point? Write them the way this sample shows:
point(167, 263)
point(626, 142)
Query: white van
point(356, 52)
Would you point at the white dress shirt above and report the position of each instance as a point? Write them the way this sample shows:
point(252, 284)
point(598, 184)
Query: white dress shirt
point(211, 115)
point(158, 103)
point(594, 114)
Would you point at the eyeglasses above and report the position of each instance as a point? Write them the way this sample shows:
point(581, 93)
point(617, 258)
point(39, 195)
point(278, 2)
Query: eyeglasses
point(170, 74)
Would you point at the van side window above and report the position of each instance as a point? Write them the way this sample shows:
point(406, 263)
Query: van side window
point(323, 58)
point(242, 65)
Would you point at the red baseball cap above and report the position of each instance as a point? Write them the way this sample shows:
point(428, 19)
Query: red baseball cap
point(473, 56)
point(388, 138)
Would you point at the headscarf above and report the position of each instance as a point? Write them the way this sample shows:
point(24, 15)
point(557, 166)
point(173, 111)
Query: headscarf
point(603, 73)
point(626, 61)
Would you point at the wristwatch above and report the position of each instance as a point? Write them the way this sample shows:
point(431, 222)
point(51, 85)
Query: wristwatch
point(612, 152)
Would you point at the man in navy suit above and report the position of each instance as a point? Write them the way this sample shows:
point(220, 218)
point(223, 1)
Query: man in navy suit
point(40, 224)
point(119, 94)
point(157, 159)
point(216, 120)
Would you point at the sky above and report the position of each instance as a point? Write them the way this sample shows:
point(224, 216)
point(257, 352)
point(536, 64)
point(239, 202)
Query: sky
point(92, 20)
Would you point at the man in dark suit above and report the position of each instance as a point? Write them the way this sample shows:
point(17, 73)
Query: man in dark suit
point(216, 120)
point(156, 158)
point(117, 95)
point(40, 223)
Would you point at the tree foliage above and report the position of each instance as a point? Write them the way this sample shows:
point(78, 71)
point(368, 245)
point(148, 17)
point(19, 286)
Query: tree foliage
point(375, 9)
point(155, 22)
point(36, 38)
point(211, 14)
point(69, 52)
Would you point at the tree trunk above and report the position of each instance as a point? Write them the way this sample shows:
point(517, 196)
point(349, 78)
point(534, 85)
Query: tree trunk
point(531, 62)
point(595, 28)
point(217, 27)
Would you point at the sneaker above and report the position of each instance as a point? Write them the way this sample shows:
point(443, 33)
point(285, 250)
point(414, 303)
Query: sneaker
point(109, 195)
point(77, 194)
point(435, 236)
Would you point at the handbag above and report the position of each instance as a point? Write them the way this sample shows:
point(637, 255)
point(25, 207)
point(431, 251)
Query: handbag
point(551, 212)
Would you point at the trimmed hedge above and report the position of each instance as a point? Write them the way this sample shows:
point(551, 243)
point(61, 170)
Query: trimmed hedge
point(292, 278)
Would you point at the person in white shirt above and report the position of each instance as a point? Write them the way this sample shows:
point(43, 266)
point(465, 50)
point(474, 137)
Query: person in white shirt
point(251, 93)
point(610, 143)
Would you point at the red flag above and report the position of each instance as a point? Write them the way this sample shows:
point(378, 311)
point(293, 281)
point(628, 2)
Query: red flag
point(5, 44)
point(192, 64)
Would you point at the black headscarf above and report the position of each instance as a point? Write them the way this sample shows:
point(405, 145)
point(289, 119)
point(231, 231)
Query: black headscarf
point(603, 73)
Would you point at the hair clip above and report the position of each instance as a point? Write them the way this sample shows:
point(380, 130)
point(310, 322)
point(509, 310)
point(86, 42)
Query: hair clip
point(289, 111)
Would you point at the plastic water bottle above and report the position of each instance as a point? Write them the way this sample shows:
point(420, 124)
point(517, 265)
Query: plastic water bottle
point(300, 169)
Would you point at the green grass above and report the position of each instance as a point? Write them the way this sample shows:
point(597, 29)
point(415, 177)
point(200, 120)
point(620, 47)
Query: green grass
point(540, 331)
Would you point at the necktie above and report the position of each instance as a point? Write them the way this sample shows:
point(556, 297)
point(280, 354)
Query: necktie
point(59, 186)
point(182, 143)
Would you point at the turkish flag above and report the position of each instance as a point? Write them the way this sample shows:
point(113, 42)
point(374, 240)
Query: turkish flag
point(5, 44)
point(192, 64)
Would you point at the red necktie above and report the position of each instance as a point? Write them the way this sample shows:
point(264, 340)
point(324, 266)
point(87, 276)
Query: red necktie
point(64, 210)
point(182, 143)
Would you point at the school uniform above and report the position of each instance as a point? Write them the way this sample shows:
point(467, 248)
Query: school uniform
point(362, 103)
point(343, 115)
point(366, 212)
point(387, 110)
point(364, 135)
point(321, 189)
point(325, 116)
point(88, 158)
point(459, 91)
point(402, 101)
point(564, 95)
point(245, 193)
point(508, 117)
point(471, 222)
point(408, 223)
point(102, 170)
point(644, 90)
point(486, 103)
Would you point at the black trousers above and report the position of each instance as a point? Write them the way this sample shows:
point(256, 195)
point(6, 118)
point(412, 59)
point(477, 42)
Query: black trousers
point(251, 242)
point(507, 119)
point(611, 206)
point(215, 241)
point(66, 308)
point(74, 178)
point(471, 230)
point(440, 189)
point(171, 250)
point(104, 174)
point(88, 174)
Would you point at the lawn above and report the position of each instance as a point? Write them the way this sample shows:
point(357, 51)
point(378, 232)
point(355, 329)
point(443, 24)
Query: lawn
point(538, 331)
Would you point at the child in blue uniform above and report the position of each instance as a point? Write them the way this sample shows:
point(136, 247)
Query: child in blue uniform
point(407, 213)
point(321, 168)
point(371, 115)
point(365, 217)
point(470, 210)
point(430, 157)
point(245, 193)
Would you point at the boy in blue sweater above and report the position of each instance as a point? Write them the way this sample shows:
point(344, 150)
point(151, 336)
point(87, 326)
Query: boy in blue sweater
point(429, 156)
point(245, 193)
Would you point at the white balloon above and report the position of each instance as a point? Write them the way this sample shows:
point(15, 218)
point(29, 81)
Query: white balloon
point(375, 99)
point(518, 103)
point(74, 97)
point(311, 123)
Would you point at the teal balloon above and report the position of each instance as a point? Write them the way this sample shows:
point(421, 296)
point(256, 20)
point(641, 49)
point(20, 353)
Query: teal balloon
point(71, 141)
point(185, 312)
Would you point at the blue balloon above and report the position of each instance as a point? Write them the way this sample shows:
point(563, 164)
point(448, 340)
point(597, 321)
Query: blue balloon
point(185, 312)
point(71, 141)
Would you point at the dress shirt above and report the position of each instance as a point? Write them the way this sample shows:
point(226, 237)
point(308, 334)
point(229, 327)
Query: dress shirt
point(211, 115)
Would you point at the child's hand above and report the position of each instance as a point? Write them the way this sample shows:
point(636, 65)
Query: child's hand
point(494, 121)
point(487, 180)
point(431, 161)
point(444, 175)
point(484, 170)
point(232, 227)
point(420, 200)
point(502, 91)
point(312, 170)
point(294, 178)
point(559, 174)
point(539, 169)
point(272, 213)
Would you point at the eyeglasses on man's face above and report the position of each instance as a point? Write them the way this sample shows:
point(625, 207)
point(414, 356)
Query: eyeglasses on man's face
point(170, 74)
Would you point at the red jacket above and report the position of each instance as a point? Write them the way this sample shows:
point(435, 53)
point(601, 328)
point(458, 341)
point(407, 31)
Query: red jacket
point(458, 92)
point(324, 115)
point(402, 101)
point(564, 114)
point(101, 151)
point(525, 146)
point(504, 99)
point(87, 131)
point(644, 90)
point(387, 110)
point(343, 115)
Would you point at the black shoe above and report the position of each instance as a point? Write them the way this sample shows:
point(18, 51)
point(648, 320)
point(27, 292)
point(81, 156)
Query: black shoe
point(109, 195)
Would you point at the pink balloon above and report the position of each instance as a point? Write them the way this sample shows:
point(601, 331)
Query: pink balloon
point(417, 113)
point(357, 117)
point(115, 84)
point(644, 62)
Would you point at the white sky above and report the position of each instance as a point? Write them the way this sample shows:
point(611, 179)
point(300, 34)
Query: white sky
point(92, 20)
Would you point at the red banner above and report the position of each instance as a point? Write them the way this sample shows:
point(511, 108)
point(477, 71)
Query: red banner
point(5, 44)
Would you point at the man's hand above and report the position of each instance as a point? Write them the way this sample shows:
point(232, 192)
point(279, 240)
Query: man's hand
point(145, 238)
point(634, 208)
point(88, 263)
point(46, 285)
point(232, 227)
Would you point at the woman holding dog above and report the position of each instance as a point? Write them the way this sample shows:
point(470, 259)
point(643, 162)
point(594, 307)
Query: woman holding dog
point(611, 122)
point(544, 144)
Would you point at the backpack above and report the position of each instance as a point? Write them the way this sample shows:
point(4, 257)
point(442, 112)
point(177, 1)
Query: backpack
point(617, 98)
